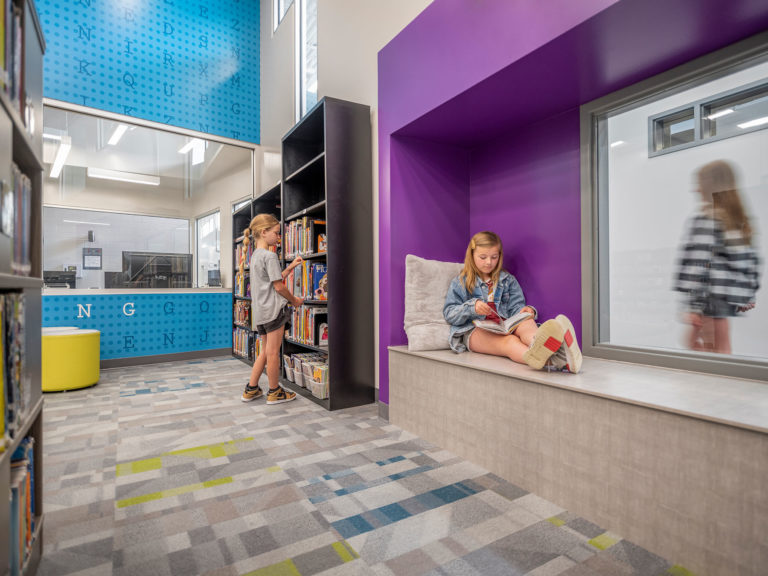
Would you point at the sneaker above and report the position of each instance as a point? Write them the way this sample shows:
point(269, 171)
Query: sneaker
point(280, 395)
point(250, 394)
point(548, 338)
point(558, 361)
point(572, 350)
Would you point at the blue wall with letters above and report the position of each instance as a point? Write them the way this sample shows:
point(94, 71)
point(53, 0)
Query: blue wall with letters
point(147, 324)
point(193, 64)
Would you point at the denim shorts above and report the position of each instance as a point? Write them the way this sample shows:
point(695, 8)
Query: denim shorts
point(718, 308)
point(283, 319)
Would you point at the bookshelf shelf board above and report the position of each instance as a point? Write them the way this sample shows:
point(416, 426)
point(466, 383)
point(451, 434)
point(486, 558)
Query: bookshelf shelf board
point(243, 326)
point(22, 144)
point(324, 402)
point(309, 210)
point(241, 297)
point(29, 419)
point(307, 256)
point(321, 302)
point(323, 349)
point(309, 164)
point(13, 281)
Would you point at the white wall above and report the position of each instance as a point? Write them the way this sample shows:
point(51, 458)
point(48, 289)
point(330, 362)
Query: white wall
point(220, 194)
point(277, 76)
point(650, 200)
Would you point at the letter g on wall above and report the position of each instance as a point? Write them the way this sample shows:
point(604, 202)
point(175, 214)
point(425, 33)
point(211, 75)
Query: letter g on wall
point(128, 309)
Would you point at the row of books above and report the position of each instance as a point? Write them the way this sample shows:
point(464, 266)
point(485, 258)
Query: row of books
point(309, 281)
point(309, 325)
point(243, 343)
point(242, 312)
point(243, 254)
point(304, 236)
point(22, 498)
point(15, 218)
point(12, 56)
point(14, 381)
point(242, 286)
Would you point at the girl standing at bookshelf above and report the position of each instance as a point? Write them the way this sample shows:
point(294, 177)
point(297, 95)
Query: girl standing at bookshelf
point(269, 307)
point(485, 291)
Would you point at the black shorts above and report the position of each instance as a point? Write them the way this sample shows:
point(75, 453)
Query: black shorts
point(283, 319)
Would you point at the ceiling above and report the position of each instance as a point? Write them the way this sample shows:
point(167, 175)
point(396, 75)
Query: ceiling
point(140, 150)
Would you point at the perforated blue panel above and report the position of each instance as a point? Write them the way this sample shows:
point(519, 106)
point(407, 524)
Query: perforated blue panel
point(147, 324)
point(188, 64)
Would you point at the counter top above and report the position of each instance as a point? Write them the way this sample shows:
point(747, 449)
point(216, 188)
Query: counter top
point(118, 291)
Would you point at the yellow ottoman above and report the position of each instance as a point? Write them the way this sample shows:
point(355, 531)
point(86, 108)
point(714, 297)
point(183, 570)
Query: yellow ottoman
point(70, 358)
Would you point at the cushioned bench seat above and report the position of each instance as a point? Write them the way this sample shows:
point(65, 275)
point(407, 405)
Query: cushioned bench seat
point(672, 460)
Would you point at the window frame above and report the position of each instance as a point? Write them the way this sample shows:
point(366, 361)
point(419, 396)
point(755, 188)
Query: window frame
point(277, 17)
point(594, 247)
point(197, 243)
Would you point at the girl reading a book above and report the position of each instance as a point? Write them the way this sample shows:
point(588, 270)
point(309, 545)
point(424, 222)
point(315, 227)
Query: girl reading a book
point(485, 291)
point(269, 307)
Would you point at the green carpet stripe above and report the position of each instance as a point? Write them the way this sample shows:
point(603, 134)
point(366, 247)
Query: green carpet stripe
point(556, 521)
point(345, 551)
point(602, 542)
point(678, 570)
point(172, 492)
point(285, 568)
point(208, 451)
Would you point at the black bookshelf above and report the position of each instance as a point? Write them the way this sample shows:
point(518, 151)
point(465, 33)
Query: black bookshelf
point(21, 144)
point(268, 202)
point(327, 174)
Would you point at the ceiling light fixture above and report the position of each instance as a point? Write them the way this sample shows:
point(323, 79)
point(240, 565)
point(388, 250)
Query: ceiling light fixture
point(117, 134)
point(197, 146)
point(721, 113)
point(51, 136)
point(617, 143)
point(88, 223)
point(61, 156)
point(753, 123)
point(124, 176)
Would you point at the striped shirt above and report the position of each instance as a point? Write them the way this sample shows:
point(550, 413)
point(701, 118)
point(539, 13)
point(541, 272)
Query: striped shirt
point(718, 263)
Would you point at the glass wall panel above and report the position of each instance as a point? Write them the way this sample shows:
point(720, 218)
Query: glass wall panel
point(680, 231)
point(106, 168)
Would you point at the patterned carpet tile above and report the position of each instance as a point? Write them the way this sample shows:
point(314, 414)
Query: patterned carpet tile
point(163, 471)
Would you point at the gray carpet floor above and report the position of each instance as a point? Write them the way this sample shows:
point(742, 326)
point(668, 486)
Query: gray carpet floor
point(161, 470)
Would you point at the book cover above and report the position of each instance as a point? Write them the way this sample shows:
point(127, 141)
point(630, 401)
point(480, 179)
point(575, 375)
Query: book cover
point(320, 281)
point(505, 326)
point(322, 334)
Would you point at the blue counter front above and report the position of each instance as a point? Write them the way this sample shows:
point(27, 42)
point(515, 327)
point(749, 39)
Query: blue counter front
point(145, 322)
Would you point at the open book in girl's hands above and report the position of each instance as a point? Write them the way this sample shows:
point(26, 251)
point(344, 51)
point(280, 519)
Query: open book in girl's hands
point(505, 326)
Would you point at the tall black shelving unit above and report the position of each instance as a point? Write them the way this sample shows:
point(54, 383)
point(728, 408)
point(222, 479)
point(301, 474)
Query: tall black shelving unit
point(21, 143)
point(327, 174)
point(268, 202)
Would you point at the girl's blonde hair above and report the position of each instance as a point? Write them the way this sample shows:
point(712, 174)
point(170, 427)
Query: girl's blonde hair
point(717, 183)
point(470, 272)
point(259, 224)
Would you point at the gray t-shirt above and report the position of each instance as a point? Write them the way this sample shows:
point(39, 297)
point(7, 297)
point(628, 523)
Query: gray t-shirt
point(266, 303)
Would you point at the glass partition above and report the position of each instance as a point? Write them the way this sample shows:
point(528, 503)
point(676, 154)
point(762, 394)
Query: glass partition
point(113, 188)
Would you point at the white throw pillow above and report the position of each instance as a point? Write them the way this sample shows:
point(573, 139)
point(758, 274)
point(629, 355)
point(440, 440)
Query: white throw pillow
point(426, 286)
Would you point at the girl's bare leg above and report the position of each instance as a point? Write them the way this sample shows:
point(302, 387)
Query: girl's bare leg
point(486, 342)
point(722, 336)
point(526, 331)
point(274, 339)
point(258, 365)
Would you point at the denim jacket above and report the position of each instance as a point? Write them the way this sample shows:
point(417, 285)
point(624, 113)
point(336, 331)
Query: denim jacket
point(459, 309)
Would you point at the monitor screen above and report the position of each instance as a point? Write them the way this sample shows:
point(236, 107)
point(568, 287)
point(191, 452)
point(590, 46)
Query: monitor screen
point(59, 279)
point(214, 277)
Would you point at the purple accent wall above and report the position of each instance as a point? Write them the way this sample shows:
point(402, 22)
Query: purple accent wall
point(503, 81)
point(525, 187)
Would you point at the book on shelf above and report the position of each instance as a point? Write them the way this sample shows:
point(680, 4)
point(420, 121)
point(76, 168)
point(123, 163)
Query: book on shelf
point(3, 435)
point(305, 324)
point(505, 326)
point(322, 334)
point(17, 386)
point(22, 503)
point(302, 236)
point(319, 275)
point(15, 218)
